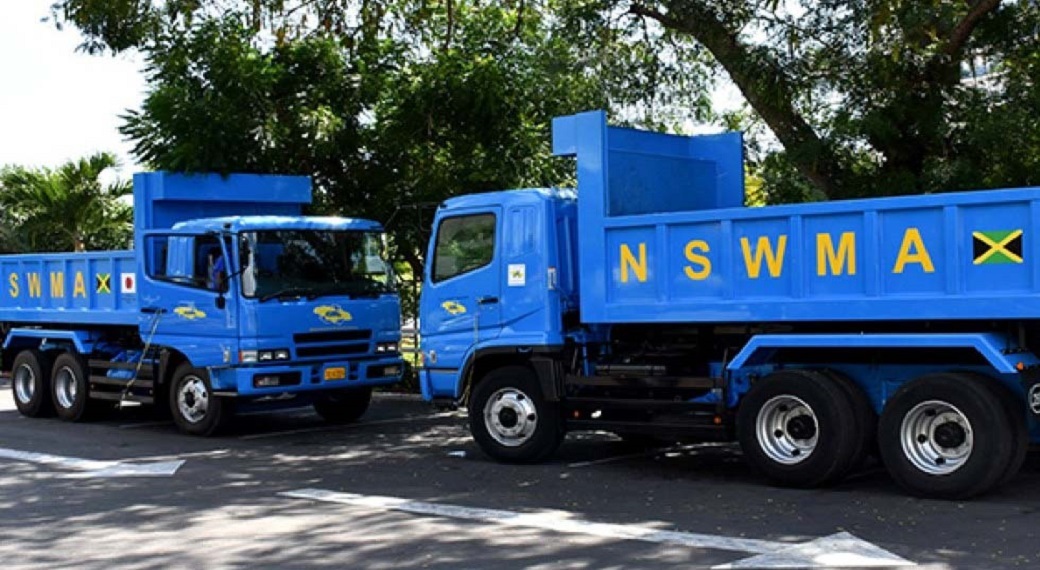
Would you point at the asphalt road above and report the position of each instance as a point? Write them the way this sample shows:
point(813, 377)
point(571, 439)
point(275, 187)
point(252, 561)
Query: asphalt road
point(597, 504)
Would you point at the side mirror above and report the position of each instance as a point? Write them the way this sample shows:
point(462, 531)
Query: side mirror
point(221, 302)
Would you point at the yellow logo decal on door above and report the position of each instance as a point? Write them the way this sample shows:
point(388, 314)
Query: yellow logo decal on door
point(453, 307)
point(189, 312)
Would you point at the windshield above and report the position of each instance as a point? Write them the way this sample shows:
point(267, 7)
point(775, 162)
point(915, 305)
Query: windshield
point(313, 263)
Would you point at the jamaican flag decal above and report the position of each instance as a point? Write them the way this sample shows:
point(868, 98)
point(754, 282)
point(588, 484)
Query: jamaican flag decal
point(997, 246)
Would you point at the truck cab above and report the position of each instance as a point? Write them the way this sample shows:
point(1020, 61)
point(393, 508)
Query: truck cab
point(277, 307)
point(501, 276)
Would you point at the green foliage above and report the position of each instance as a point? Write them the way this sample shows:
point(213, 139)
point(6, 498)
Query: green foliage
point(220, 103)
point(866, 98)
point(393, 105)
point(66, 209)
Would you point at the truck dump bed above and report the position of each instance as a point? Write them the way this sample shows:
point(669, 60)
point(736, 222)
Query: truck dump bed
point(69, 288)
point(664, 238)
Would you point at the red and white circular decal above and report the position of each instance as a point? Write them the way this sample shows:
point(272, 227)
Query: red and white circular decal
point(129, 283)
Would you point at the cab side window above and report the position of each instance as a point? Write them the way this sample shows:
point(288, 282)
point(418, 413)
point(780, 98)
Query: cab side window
point(464, 243)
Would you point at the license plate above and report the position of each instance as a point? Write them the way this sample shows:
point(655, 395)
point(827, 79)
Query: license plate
point(338, 373)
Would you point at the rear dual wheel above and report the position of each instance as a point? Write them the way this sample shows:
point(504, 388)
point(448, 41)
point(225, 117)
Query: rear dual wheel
point(804, 428)
point(952, 435)
point(41, 388)
point(70, 389)
point(30, 383)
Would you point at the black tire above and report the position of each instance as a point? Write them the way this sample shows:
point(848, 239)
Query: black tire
point(343, 406)
point(1015, 410)
point(781, 415)
point(511, 420)
point(195, 410)
point(70, 387)
point(942, 461)
point(863, 414)
point(31, 385)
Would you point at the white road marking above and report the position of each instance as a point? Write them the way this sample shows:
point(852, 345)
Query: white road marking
point(95, 468)
point(841, 549)
point(190, 454)
point(347, 426)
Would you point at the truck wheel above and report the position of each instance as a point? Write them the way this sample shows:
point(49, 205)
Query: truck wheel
point(862, 413)
point(343, 406)
point(30, 383)
point(70, 388)
point(794, 427)
point(946, 436)
point(510, 419)
point(195, 409)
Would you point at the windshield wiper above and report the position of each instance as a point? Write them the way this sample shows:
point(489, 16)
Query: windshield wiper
point(291, 292)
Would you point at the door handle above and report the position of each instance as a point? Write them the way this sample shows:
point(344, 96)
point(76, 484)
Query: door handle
point(152, 310)
point(487, 300)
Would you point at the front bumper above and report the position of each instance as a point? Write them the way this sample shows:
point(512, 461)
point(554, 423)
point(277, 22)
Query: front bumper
point(308, 377)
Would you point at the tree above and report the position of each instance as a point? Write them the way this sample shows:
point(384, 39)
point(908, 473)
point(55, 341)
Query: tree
point(387, 104)
point(66, 209)
point(876, 97)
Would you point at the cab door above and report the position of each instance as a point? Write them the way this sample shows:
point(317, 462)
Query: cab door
point(181, 302)
point(461, 296)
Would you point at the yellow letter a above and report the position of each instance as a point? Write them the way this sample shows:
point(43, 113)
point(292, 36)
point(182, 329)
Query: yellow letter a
point(912, 240)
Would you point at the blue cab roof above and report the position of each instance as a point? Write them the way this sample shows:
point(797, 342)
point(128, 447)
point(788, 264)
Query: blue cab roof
point(499, 198)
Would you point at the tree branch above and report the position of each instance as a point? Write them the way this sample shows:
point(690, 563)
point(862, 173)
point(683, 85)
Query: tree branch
point(450, 6)
point(762, 82)
point(519, 20)
point(960, 34)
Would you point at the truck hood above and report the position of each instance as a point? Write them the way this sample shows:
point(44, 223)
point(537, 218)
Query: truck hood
point(283, 319)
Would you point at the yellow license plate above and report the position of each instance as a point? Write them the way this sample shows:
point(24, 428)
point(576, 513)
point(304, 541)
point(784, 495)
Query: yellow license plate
point(338, 373)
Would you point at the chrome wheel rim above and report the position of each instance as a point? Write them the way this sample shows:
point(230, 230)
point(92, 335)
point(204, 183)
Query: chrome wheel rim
point(193, 399)
point(65, 387)
point(511, 417)
point(24, 383)
point(937, 437)
point(787, 430)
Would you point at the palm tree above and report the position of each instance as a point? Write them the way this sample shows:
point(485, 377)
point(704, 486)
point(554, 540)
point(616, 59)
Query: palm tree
point(65, 209)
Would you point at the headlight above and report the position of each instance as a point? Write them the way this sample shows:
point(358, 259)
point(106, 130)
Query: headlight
point(386, 347)
point(253, 356)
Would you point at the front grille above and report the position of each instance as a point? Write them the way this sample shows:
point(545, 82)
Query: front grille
point(332, 336)
point(331, 350)
point(332, 343)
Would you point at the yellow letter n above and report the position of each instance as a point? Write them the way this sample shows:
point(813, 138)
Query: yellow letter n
point(638, 266)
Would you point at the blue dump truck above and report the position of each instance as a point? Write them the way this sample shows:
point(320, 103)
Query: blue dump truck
point(230, 299)
point(652, 304)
